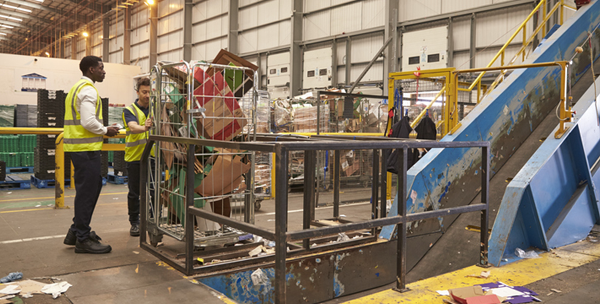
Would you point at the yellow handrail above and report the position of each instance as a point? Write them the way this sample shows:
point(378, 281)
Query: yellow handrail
point(450, 123)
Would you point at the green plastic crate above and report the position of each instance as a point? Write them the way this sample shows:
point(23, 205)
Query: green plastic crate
point(26, 159)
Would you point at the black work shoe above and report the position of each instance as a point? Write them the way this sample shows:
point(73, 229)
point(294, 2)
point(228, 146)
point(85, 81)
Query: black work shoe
point(71, 238)
point(91, 245)
point(135, 230)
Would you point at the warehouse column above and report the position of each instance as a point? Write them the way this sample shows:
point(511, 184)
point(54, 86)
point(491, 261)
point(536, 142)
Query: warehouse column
point(295, 48)
point(390, 59)
point(348, 60)
point(473, 42)
point(153, 34)
point(187, 30)
point(232, 36)
point(105, 39)
point(88, 42)
point(127, 37)
point(74, 47)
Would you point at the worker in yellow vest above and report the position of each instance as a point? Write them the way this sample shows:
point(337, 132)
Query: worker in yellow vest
point(83, 137)
point(137, 123)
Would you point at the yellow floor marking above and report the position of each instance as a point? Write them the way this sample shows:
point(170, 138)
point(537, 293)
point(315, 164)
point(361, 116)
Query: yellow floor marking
point(519, 273)
point(51, 197)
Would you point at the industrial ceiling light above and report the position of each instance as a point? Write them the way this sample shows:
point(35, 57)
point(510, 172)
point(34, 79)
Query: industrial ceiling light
point(6, 26)
point(11, 18)
point(150, 2)
point(85, 34)
point(47, 54)
point(16, 8)
point(3, 34)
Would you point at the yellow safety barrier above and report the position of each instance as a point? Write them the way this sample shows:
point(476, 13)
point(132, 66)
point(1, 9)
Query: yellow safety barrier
point(449, 122)
point(59, 173)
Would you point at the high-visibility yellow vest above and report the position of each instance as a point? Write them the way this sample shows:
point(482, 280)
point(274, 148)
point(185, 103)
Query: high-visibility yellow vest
point(76, 137)
point(135, 143)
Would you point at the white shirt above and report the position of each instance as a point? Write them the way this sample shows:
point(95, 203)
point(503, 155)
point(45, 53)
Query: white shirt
point(86, 103)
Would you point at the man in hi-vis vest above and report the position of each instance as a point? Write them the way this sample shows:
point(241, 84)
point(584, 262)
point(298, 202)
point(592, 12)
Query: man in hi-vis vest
point(137, 124)
point(83, 137)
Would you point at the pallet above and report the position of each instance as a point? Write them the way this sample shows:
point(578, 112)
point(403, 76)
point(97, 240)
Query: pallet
point(14, 182)
point(50, 183)
point(19, 170)
point(116, 179)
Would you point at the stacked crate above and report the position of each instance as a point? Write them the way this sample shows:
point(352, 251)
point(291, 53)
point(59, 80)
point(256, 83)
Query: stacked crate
point(9, 150)
point(51, 114)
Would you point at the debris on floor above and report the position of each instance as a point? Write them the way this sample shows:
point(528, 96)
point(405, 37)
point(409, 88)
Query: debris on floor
point(29, 288)
point(56, 289)
point(11, 277)
point(483, 275)
point(526, 254)
point(490, 293)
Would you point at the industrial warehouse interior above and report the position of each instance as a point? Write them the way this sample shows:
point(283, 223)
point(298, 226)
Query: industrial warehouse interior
point(299, 151)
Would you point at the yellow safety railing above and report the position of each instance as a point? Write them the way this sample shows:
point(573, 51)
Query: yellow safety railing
point(451, 123)
point(59, 173)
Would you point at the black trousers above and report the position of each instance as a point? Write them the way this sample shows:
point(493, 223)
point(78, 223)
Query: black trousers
point(133, 197)
point(88, 184)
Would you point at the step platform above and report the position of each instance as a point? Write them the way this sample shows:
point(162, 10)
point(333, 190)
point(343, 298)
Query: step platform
point(19, 170)
point(15, 182)
point(116, 179)
point(50, 183)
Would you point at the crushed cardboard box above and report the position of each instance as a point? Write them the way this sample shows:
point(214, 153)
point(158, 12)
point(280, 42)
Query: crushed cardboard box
point(224, 177)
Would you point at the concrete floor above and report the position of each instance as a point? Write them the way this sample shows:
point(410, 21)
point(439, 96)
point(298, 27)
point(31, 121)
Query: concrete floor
point(33, 232)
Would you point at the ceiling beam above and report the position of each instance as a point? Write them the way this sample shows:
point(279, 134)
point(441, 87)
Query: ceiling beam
point(16, 24)
point(33, 5)
point(24, 16)
point(91, 5)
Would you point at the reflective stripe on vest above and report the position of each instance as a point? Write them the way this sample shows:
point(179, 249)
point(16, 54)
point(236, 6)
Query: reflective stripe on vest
point(76, 137)
point(135, 143)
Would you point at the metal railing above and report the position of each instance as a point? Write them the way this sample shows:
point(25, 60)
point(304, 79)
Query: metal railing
point(59, 173)
point(482, 90)
point(282, 237)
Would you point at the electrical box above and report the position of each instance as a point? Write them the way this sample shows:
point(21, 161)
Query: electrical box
point(427, 49)
point(278, 75)
point(317, 69)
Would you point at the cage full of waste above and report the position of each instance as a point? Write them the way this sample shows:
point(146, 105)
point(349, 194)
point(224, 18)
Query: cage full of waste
point(201, 101)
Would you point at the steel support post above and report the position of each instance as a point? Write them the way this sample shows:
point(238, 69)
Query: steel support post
point(485, 178)
point(309, 191)
point(473, 42)
point(348, 60)
point(374, 187)
point(105, 39)
point(153, 34)
point(189, 217)
point(281, 208)
point(383, 177)
point(74, 47)
point(390, 59)
point(127, 37)
point(296, 48)
point(401, 227)
point(336, 183)
point(232, 35)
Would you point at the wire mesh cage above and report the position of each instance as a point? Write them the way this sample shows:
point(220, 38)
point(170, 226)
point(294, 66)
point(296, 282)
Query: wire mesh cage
point(203, 101)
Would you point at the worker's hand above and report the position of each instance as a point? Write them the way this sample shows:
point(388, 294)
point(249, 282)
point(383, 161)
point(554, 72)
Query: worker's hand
point(112, 131)
point(148, 123)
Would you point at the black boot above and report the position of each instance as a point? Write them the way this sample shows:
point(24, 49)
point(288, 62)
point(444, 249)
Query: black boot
point(91, 245)
point(135, 229)
point(71, 238)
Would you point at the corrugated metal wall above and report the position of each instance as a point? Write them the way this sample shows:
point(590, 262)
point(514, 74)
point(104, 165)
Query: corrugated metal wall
point(264, 26)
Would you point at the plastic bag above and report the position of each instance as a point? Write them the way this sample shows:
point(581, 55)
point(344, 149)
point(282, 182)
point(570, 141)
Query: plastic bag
point(259, 277)
point(526, 255)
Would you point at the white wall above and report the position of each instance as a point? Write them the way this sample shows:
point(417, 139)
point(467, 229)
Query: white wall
point(61, 75)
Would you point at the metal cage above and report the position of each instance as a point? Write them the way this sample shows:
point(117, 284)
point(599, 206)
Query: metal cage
point(202, 101)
